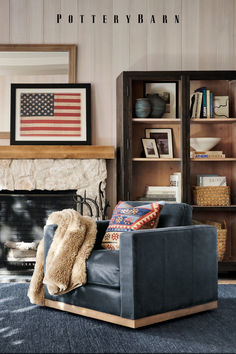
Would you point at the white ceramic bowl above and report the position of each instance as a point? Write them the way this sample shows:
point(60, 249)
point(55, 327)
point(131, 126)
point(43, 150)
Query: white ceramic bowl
point(203, 144)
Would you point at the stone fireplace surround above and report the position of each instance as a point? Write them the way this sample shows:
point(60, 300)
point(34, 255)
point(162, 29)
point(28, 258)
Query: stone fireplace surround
point(53, 175)
point(54, 167)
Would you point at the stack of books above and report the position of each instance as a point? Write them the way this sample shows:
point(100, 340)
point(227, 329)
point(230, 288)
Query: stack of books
point(201, 103)
point(207, 154)
point(211, 180)
point(157, 193)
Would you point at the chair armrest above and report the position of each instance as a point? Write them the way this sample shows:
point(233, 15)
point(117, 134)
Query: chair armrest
point(166, 269)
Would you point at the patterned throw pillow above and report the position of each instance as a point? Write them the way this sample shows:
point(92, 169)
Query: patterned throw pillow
point(128, 218)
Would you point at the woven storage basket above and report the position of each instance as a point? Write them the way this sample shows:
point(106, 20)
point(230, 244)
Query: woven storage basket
point(221, 235)
point(211, 196)
point(221, 243)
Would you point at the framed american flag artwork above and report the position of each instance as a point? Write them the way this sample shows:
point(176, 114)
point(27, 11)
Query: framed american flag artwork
point(51, 114)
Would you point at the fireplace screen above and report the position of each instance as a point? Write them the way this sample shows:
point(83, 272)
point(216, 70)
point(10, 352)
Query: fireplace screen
point(22, 218)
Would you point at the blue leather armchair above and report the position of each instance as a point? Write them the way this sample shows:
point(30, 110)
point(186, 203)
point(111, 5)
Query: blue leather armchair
point(157, 274)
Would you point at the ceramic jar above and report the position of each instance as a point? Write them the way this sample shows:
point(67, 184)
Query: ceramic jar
point(143, 107)
point(158, 105)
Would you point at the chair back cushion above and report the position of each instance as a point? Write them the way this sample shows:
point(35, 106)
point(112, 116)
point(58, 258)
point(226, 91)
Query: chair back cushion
point(174, 214)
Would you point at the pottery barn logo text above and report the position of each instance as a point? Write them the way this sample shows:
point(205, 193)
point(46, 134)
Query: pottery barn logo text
point(139, 18)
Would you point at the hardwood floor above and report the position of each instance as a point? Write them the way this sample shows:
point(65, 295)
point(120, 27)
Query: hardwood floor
point(226, 281)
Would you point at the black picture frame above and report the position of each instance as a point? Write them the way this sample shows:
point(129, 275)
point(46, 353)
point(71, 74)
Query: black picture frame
point(25, 129)
point(164, 140)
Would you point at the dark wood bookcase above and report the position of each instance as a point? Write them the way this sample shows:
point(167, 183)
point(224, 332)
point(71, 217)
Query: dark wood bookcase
point(134, 171)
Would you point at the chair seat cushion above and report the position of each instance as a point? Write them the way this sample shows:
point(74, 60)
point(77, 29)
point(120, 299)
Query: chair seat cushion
point(103, 268)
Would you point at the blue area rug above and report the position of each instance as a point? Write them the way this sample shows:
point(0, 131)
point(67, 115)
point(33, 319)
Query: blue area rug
point(27, 328)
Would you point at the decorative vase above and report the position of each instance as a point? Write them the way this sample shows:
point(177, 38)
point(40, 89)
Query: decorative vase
point(158, 105)
point(143, 107)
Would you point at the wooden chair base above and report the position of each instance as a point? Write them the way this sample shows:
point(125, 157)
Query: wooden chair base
point(141, 322)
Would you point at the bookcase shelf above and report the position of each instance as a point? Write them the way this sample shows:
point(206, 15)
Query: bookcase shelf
point(226, 159)
point(212, 120)
point(157, 120)
point(135, 175)
point(146, 159)
point(231, 207)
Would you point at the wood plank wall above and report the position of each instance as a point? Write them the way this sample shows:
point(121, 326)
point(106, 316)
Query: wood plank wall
point(204, 39)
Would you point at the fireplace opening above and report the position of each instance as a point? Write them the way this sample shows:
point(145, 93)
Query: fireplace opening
point(23, 215)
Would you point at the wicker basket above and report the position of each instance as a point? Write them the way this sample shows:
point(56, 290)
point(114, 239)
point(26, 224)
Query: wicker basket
point(211, 196)
point(221, 235)
point(221, 243)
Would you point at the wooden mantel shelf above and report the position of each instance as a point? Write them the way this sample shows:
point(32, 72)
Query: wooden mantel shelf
point(57, 152)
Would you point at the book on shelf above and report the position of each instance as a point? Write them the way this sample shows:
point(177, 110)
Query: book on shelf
point(199, 104)
point(175, 181)
point(161, 194)
point(160, 189)
point(205, 102)
point(203, 90)
point(158, 193)
point(211, 180)
point(204, 175)
point(195, 105)
point(207, 154)
point(208, 103)
point(157, 199)
point(211, 105)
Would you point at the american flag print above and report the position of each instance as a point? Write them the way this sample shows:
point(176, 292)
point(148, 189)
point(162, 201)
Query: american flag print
point(50, 114)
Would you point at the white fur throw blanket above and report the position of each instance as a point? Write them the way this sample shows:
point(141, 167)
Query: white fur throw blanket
point(72, 244)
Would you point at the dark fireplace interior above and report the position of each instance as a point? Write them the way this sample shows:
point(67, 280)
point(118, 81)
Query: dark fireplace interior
point(23, 215)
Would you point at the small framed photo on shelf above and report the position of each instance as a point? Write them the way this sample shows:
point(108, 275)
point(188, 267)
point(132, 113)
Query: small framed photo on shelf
point(51, 114)
point(163, 138)
point(168, 92)
point(150, 148)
